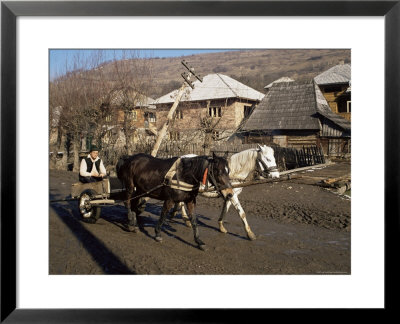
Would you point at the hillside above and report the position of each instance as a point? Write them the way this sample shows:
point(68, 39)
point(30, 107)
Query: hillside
point(256, 68)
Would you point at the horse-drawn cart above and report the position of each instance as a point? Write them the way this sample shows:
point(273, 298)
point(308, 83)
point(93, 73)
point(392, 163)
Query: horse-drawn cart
point(92, 196)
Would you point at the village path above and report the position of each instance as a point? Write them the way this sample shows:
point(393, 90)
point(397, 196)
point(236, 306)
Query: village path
point(300, 229)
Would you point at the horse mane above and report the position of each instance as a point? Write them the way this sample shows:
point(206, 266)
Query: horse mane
point(193, 166)
point(242, 164)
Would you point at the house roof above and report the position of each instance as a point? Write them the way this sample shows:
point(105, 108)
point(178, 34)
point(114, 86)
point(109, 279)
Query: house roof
point(293, 106)
point(283, 79)
point(214, 86)
point(338, 74)
point(139, 99)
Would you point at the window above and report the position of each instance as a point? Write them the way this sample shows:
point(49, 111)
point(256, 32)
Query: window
point(215, 135)
point(151, 117)
point(132, 115)
point(108, 118)
point(109, 133)
point(247, 111)
point(344, 105)
point(179, 114)
point(215, 111)
point(174, 136)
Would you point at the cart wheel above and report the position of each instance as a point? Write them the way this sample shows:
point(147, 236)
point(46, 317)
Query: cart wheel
point(89, 213)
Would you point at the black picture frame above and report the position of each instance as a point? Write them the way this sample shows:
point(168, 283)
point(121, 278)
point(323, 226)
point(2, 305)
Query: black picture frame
point(10, 10)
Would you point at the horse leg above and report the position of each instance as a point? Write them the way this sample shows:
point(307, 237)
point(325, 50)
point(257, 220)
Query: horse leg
point(184, 215)
point(225, 209)
point(193, 221)
point(242, 214)
point(139, 205)
point(166, 207)
point(174, 210)
point(132, 223)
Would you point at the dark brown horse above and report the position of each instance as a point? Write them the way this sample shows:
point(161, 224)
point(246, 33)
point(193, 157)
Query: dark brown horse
point(172, 181)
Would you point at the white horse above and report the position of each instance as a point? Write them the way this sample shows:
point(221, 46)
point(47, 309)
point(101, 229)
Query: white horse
point(241, 166)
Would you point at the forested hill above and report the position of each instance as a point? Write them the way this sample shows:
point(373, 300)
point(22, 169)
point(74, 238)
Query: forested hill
point(255, 68)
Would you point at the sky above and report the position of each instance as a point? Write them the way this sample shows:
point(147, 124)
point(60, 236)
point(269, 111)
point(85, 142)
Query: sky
point(62, 60)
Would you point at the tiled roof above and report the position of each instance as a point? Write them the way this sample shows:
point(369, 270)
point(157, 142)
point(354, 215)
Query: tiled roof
point(214, 86)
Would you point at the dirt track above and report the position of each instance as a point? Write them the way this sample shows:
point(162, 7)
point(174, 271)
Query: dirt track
point(300, 229)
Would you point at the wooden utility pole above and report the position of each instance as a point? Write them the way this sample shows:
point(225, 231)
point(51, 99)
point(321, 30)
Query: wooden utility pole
point(163, 130)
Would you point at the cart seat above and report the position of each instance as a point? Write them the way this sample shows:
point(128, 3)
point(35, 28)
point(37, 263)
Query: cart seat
point(100, 188)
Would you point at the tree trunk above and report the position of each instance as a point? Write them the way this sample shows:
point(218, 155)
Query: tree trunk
point(75, 149)
point(83, 146)
point(62, 164)
point(207, 143)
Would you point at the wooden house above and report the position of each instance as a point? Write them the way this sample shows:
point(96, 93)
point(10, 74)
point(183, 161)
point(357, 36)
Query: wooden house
point(294, 114)
point(216, 106)
point(335, 85)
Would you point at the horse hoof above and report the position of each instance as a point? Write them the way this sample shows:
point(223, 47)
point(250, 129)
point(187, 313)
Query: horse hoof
point(158, 238)
point(203, 247)
point(188, 224)
point(251, 236)
point(90, 220)
point(222, 229)
point(132, 229)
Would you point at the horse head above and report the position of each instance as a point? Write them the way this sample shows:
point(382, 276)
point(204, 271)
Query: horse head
point(266, 161)
point(120, 166)
point(219, 175)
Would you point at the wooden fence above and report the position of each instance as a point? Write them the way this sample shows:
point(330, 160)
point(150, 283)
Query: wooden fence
point(286, 158)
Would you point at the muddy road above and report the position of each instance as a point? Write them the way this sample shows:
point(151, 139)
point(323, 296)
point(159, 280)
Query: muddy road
point(300, 229)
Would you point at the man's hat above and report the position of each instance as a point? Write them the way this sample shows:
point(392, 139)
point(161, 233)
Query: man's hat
point(93, 148)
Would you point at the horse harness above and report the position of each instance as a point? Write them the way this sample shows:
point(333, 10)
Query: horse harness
point(181, 185)
point(176, 184)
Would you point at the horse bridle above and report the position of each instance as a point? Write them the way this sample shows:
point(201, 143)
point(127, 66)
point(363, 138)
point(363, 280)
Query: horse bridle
point(267, 169)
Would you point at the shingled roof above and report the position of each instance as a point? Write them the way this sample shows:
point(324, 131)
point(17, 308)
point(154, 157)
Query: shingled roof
point(293, 106)
point(214, 86)
point(283, 79)
point(338, 74)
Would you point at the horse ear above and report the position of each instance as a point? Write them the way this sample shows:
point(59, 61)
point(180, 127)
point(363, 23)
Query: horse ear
point(259, 148)
point(226, 155)
point(213, 155)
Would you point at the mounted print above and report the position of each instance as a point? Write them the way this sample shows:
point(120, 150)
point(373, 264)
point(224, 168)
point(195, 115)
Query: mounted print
point(185, 161)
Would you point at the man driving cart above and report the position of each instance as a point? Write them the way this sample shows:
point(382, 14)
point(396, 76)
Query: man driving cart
point(92, 168)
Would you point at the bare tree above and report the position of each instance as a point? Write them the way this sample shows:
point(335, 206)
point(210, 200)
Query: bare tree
point(132, 78)
point(92, 95)
point(79, 94)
